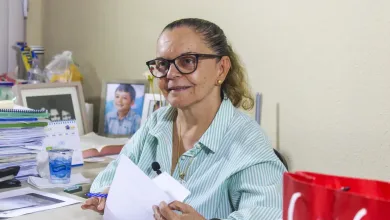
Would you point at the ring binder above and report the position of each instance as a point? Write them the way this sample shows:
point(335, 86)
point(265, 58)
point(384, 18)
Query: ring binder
point(22, 111)
point(62, 122)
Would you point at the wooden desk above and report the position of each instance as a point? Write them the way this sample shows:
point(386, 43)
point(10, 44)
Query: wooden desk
point(74, 212)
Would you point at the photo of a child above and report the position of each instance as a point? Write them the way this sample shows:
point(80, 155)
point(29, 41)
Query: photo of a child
point(123, 109)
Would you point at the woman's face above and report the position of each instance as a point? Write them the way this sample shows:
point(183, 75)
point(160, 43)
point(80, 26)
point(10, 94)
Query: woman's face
point(185, 90)
point(123, 101)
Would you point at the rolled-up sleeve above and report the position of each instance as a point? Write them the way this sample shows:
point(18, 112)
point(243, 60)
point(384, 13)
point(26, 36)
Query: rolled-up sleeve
point(256, 192)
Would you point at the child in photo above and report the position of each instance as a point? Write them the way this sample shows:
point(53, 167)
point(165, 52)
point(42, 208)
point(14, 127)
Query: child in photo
point(123, 120)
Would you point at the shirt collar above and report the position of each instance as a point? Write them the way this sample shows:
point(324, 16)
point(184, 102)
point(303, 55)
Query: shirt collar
point(213, 136)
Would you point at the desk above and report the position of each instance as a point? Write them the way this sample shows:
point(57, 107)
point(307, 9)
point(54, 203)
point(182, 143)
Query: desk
point(74, 212)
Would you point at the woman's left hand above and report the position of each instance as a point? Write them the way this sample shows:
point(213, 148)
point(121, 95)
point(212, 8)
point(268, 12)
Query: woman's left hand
point(166, 212)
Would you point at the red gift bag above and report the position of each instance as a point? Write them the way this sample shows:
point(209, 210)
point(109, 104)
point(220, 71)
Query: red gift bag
point(313, 196)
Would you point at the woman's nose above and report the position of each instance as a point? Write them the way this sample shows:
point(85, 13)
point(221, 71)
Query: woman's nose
point(173, 72)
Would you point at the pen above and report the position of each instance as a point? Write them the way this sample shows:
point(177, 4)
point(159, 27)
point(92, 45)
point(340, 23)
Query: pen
point(100, 195)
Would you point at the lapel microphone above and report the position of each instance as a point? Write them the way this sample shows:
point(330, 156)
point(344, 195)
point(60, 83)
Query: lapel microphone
point(156, 167)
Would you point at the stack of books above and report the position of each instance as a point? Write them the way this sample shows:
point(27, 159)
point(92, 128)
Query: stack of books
point(21, 138)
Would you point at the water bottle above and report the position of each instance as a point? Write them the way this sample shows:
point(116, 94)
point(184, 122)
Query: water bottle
point(35, 74)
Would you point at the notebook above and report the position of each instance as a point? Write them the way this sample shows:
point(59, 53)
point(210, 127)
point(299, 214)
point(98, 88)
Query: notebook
point(23, 113)
point(64, 134)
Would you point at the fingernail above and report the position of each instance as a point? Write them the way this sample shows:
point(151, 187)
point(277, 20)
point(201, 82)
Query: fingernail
point(163, 204)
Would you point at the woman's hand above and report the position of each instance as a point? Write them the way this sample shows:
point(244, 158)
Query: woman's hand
point(166, 212)
point(96, 204)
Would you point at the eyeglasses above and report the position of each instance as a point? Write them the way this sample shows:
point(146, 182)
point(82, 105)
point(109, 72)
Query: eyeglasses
point(185, 64)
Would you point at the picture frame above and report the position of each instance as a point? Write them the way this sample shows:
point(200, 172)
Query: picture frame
point(121, 118)
point(64, 101)
point(152, 102)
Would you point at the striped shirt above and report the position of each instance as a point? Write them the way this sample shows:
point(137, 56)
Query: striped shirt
point(234, 174)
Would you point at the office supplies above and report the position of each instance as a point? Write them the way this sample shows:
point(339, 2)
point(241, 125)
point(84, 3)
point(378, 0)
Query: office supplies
point(44, 183)
point(64, 135)
point(94, 159)
point(10, 183)
point(24, 201)
point(132, 185)
point(23, 113)
point(73, 189)
point(7, 177)
point(99, 195)
point(19, 129)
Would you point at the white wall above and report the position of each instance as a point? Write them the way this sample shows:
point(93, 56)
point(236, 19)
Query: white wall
point(12, 30)
point(327, 63)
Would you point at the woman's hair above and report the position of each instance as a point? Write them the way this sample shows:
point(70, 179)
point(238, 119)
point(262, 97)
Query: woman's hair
point(235, 85)
point(126, 88)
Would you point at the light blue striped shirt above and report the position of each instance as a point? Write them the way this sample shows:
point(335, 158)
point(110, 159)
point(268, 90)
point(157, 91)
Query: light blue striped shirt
point(234, 175)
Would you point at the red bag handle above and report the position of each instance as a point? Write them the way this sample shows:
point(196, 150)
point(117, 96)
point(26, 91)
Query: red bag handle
point(293, 200)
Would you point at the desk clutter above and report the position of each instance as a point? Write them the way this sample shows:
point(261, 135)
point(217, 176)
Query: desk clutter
point(21, 136)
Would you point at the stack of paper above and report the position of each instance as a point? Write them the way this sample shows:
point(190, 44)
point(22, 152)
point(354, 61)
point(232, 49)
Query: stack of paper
point(21, 137)
point(43, 183)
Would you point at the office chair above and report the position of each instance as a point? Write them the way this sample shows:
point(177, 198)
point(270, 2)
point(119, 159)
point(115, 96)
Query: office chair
point(281, 158)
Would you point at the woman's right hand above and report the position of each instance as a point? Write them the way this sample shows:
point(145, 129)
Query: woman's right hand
point(95, 204)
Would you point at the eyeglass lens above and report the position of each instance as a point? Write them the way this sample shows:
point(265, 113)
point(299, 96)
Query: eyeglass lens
point(185, 64)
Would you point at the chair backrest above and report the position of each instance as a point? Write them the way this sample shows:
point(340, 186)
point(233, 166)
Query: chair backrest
point(281, 158)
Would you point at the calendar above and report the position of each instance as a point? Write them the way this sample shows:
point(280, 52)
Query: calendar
point(64, 134)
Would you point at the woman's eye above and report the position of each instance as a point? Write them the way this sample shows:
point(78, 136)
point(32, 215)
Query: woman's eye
point(163, 64)
point(188, 61)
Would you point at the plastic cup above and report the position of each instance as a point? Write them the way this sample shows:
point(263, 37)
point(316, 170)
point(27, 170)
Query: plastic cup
point(60, 165)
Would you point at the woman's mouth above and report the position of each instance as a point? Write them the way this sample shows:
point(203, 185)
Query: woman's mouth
point(178, 88)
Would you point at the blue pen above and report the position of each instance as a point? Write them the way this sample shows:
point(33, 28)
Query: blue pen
point(100, 195)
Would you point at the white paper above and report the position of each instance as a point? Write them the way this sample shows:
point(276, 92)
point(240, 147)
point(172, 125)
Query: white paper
point(6, 104)
point(95, 159)
point(131, 187)
point(172, 187)
point(24, 201)
point(21, 107)
point(43, 183)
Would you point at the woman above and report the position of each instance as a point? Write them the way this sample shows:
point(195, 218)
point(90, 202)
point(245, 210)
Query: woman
point(220, 153)
point(123, 121)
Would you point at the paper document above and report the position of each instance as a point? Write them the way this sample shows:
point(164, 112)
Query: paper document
point(43, 183)
point(24, 201)
point(133, 194)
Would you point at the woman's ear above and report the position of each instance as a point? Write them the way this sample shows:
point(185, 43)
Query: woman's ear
point(224, 67)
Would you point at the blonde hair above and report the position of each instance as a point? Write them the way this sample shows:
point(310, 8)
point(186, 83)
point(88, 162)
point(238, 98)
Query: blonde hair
point(235, 85)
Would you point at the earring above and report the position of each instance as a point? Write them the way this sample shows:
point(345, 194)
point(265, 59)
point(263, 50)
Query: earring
point(219, 82)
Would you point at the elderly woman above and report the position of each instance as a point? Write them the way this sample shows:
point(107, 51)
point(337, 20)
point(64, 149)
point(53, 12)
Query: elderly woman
point(202, 138)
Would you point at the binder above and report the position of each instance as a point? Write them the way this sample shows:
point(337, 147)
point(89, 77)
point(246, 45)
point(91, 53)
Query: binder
point(10, 125)
point(22, 113)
